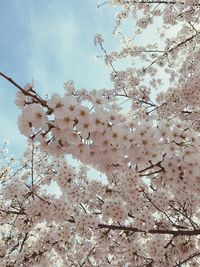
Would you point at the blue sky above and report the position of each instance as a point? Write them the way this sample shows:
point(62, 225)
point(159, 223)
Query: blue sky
point(50, 41)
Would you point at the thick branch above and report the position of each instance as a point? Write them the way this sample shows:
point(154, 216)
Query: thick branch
point(153, 231)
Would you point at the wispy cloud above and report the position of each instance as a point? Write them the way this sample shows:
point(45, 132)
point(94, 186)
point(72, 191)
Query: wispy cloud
point(52, 43)
point(61, 44)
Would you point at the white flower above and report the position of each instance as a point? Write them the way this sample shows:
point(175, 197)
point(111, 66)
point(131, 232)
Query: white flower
point(57, 104)
point(36, 115)
point(85, 127)
point(24, 125)
point(20, 99)
point(67, 121)
point(82, 113)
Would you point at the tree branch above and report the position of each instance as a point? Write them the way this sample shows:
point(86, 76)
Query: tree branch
point(27, 93)
point(153, 231)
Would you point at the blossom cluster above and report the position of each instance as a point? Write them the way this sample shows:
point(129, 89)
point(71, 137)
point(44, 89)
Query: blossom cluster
point(146, 145)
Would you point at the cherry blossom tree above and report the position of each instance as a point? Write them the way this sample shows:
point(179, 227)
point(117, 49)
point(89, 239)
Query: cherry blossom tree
point(142, 135)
